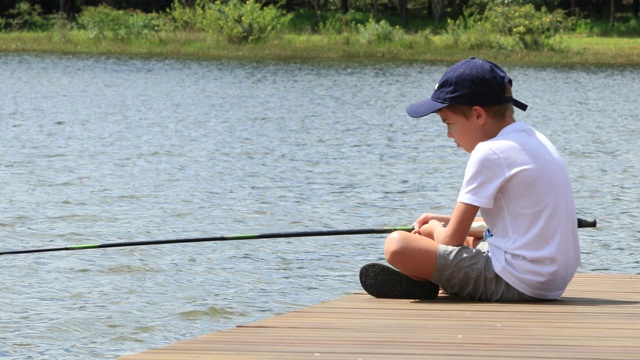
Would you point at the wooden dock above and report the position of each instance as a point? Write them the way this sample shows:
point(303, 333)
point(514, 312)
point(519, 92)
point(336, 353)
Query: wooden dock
point(597, 318)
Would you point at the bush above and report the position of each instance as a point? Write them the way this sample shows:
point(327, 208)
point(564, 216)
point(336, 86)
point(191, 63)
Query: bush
point(24, 16)
point(104, 22)
point(509, 26)
point(623, 26)
point(236, 21)
point(478, 35)
point(335, 24)
point(533, 29)
point(379, 32)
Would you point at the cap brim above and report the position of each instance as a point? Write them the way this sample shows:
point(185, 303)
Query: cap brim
point(424, 108)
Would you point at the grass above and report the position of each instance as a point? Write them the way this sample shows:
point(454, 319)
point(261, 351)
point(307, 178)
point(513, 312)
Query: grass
point(578, 50)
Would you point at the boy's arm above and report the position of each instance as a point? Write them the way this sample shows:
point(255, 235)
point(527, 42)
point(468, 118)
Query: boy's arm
point(457, 228)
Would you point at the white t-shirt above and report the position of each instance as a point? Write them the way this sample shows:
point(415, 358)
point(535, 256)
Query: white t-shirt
point(522, 187)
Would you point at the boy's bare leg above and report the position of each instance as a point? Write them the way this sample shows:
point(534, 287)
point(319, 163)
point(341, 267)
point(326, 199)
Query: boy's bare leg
point(413, 255)
point(472, 242)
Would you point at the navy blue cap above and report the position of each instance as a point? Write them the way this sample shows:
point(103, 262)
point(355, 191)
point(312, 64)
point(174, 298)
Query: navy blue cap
point(473, 82)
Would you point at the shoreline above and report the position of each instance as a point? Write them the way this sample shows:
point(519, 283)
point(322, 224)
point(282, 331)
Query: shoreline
point(578, 51)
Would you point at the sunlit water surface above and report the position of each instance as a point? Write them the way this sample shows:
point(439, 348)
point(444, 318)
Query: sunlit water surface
point(99, 149)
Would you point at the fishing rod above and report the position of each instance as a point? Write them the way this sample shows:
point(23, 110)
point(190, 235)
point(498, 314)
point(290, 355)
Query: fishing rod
point(382, 230)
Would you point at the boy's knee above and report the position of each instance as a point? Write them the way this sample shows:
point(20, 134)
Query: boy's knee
point(393, 246)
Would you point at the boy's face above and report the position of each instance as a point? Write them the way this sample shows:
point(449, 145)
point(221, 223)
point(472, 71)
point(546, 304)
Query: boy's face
point(463, 130)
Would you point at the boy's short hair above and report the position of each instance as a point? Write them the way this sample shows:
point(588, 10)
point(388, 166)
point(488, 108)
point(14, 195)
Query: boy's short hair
point(472, 82)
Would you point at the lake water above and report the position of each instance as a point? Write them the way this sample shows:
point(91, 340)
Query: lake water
point(104, 149)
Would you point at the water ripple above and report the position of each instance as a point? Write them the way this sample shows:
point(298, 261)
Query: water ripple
point(105, 149)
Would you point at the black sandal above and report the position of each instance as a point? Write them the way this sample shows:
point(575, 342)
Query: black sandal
point(382, 281)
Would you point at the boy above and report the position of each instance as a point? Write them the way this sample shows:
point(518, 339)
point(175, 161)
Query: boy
point(514, 178)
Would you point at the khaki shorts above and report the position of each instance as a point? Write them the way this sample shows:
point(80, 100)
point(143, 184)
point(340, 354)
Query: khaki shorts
point(467, 272)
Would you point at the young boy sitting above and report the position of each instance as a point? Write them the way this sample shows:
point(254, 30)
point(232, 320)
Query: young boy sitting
point(518, 182)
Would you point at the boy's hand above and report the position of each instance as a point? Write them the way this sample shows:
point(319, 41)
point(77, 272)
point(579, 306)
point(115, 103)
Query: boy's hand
point(429, 230)
point(424, 220)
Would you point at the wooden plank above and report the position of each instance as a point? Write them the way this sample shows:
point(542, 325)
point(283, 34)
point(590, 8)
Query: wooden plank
point(599, 317)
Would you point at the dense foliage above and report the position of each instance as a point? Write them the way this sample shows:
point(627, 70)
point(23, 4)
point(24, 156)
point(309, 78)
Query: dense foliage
point(474, 24)
point(104, 22)
point(508, 26)
point(236, 21)
point(593, 9)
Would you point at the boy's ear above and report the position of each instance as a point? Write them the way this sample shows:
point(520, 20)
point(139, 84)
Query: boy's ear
point(478, 115)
